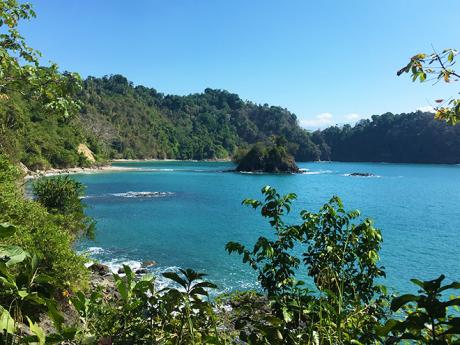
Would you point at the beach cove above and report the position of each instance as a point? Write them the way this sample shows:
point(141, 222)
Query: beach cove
point(181, 214)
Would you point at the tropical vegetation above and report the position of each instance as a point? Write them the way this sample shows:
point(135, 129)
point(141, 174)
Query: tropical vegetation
point(331, 292)
point(271, 157)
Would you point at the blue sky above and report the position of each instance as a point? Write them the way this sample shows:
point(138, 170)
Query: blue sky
point(327, 61)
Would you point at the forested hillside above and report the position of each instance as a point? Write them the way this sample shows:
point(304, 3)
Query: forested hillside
point(404, 138)
point(120, 120)
point(35, 133)
point(139, 122)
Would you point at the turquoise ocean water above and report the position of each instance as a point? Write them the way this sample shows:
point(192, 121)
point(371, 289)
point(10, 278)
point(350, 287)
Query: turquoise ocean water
point(181, 214)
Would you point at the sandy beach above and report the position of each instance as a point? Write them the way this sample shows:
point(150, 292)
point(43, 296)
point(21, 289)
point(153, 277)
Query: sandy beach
point(70, 171)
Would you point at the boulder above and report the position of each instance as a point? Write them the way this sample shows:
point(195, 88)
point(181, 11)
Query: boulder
point(141, 271)
point(149, 263)
point(99, 268)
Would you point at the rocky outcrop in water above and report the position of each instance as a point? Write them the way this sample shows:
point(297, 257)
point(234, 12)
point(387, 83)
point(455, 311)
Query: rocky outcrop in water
point(269, 158)
point(361, 174)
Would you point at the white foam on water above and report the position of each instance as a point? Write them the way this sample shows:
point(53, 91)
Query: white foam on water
point(132, 194)
point(320, 172)
point(162, 282)
point(115, 264)
point(94, 250)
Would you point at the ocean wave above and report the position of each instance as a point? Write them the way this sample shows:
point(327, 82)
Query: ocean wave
point(114, 265)
point(94, 250)
point(161, 282)
point(320, 172)
point(131, 194)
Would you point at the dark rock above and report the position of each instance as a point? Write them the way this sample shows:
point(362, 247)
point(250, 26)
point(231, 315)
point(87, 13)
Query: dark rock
point(121, 270)
point(361, 174)
point(99, 269)
point(149, 263)
point(142, 271)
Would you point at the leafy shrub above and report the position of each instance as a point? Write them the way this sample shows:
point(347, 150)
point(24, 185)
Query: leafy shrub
point(38, 231)
point(139, 314)
point(62, 195)
point(426, 318)
point(340, 257)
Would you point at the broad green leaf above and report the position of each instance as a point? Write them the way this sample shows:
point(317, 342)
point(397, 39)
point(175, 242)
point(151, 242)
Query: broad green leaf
point(175, 277)
point(399, 301)
point(7, 230)
point(23, 294)
point(14, 254)
point(38, 331)
point(6, 321)
point(122, 289)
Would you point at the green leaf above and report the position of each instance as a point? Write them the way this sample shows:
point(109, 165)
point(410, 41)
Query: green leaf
point(387, 328)
point(399, 301)
point(122, 289)
point(175, 277)
point(54, 314)
point(23, 294)
point(38, 331)
point(422, 76)
point(287, 315)
point(7, 230)
point(6, 321)
point(454, 285)
point(14, 254)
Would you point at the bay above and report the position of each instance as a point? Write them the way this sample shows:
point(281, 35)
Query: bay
point(181, 214)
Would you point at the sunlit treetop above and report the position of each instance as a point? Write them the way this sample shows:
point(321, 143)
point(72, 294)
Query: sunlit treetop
point(20, 70)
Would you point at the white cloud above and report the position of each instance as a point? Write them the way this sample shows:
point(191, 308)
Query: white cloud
point(353, 117)
point(427, 108)
point(319, 121)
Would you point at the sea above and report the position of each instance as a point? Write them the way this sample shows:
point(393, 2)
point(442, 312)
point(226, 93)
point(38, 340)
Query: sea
point(181, 215)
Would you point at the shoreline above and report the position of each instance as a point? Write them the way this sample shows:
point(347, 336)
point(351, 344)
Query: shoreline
point(29, 175)
point(121, 160)
point(104, 168)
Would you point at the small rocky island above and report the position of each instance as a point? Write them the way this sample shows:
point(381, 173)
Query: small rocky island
point(271, 157)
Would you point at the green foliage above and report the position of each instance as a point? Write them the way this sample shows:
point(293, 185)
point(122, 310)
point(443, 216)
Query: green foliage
point(340, 255)
point(38, 231)
point(142, 315)
point(438, 65)
point(269, 157)
point(37, 103)
point(19, 66)
point(62, 195)
point(138, 122)
point(271, 258)
point(341, 258)
point(25, 292)
point(413, 138)
point(426, 318)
